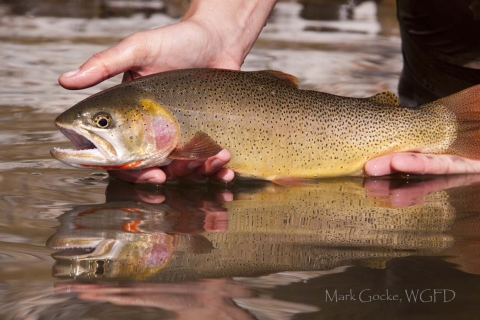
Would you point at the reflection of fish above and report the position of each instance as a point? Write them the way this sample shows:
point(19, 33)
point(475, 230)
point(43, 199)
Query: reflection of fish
point(273, 129)
point(108, 241)
point(270, 229)
point(135, 256)
point(331, 224)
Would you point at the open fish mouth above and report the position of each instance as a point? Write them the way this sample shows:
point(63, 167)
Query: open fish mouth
point(92, 251)
point(89, 149)
point(79, 141)
point(74, 252)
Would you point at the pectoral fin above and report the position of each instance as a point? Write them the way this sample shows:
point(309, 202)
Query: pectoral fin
point(201, 146)
point(193, 243)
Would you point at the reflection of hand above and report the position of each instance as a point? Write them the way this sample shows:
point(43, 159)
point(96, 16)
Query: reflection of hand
point(206, 299)
point(198, 212)
point(413, 193)
point(213, 33)
point(417, 163)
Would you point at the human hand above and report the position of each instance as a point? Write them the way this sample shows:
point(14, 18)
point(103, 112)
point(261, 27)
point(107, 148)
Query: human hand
point(417, 163)
point(191, 170)
point(212, 34)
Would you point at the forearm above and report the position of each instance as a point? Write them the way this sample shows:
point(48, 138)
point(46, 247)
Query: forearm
point(237, 22)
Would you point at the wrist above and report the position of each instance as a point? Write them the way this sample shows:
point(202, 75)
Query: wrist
point(233, 24)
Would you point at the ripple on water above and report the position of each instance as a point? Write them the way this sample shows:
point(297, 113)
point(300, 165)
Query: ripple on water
point(261, 233)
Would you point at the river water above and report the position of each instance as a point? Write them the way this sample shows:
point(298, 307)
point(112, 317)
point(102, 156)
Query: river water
point(75, 245)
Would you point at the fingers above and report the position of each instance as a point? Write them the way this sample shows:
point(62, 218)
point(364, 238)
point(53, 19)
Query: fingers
point(223, 175)
point(380, 166)
point(150, 175)
point(129, 76)
point(216, 221)
point(107, 64)
point(214, 163)
point(413, 163)
point(152, 51)
point(403, 195)
point(190, 170)
point(198, 171)
point(416, 163)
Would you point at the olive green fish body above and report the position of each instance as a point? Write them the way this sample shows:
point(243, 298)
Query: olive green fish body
point(273, 129)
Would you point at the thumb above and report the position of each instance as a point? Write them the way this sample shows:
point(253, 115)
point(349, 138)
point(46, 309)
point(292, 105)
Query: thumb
point(102, 65)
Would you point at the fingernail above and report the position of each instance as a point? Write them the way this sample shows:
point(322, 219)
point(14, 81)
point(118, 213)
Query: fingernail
point(193, 165)
point(71, 73)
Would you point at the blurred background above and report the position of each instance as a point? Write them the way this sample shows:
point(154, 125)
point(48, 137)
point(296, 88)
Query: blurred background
point(343, 47)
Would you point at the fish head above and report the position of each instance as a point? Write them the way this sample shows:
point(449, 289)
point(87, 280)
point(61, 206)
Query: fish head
point(128, 255)
point(123, 127)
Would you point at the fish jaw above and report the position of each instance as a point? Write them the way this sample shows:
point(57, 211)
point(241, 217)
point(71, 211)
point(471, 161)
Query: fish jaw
point(89, 148)
point(117, 259)
point(94, 150)
point(151, 249)
point(72, 247)
point(143, 136)
point(65, 242)
point(102, 249)
point(75, 246)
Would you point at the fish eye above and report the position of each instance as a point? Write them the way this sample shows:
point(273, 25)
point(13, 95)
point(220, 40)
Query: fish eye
point(102, 120)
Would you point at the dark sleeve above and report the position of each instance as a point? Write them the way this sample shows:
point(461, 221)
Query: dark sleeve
point(440, 45)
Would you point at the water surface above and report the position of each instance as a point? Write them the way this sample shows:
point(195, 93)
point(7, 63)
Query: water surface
point(75, 245)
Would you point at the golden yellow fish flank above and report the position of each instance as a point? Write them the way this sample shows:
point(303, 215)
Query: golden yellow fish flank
point(273, 129)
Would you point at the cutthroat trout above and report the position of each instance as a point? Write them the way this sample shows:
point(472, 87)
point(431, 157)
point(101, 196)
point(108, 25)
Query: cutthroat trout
point(273, 129)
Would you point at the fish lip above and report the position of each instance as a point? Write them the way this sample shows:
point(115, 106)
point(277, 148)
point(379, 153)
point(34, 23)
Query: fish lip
point(101, 249)
point(54, 243)
point(85, 140)
point(78, 140)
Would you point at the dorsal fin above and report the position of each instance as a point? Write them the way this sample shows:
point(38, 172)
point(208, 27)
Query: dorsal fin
point(288, 78)
point(386, 98)
point(201, 146)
